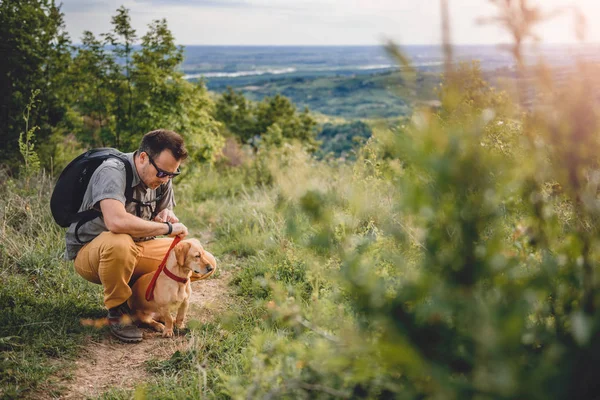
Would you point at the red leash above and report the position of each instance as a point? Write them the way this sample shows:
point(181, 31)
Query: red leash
point(150, 290)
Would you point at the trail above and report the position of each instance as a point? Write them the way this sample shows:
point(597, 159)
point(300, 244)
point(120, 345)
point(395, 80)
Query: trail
point(110, 364)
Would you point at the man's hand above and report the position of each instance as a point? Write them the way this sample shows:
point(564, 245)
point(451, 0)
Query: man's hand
point(118, 220)
point(179, 229)
point(166, 215)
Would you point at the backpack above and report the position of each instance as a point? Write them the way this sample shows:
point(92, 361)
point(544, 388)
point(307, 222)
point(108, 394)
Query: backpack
point(73, 181)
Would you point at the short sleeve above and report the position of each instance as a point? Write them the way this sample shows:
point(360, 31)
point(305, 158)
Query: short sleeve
point(108, 182)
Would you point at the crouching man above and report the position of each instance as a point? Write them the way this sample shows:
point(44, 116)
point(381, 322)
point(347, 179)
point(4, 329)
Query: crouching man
point(119, 246)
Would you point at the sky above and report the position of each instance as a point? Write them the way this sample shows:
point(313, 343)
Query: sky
point(321, 22)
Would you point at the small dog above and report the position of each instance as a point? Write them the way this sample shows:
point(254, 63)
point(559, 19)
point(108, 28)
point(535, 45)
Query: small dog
point(187, 258)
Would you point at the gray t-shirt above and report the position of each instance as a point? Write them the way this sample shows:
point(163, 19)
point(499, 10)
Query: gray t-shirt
point(108, 182)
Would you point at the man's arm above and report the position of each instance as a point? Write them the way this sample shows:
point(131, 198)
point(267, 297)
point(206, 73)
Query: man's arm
point(117, 220)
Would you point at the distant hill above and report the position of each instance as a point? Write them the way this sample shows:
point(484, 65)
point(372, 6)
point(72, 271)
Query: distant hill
point(351, 82)
point(377, 95)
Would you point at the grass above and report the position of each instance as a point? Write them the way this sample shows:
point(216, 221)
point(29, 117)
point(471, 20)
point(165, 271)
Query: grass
point(41, 297)
point(280, 333)
point(269, 270)
point(287, 308)
point(319, 258)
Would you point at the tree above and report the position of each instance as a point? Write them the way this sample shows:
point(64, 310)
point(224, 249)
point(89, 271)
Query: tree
point(342, 139)
point(249, 122)
point(196, 122)
point(158, 81)
point(281, 111)
point(236, 112)
point(122, 40)
point(94, 99)
point(36, 55)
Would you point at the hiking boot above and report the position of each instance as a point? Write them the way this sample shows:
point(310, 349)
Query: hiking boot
point(121, 324)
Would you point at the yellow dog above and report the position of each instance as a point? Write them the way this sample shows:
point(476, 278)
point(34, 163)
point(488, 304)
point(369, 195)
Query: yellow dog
point(173, 289)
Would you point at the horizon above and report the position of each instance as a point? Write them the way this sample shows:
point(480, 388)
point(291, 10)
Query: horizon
point(525, 45)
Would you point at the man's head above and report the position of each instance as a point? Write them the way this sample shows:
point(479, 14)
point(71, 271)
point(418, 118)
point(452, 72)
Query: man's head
point(159, 156)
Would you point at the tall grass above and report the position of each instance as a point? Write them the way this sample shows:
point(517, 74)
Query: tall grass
point(41, 297)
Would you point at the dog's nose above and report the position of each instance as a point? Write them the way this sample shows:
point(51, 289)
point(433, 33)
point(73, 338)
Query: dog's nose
point(209, 268)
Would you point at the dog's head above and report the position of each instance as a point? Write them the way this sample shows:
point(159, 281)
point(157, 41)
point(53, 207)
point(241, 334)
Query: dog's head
point(191, 256)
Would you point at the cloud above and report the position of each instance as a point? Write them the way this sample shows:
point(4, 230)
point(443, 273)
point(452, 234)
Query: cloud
point(199, 3)
point(90, 6)
point(298, 6)
point(82, 6)
point(255, 22)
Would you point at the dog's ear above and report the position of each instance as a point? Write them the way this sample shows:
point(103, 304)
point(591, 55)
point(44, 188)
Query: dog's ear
point(181, 251)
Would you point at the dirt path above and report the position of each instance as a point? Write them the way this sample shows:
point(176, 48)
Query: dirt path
point(110, 364)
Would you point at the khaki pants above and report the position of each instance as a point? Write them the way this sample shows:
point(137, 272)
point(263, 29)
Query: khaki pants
point(116, 262)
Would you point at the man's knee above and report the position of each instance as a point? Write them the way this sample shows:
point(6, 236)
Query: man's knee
point(118, 246)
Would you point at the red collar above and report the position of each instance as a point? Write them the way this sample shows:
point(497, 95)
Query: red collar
point(174, 277)
point(152, 285)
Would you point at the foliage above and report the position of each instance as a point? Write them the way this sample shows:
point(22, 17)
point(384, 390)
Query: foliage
point(235, 112)
point(268, 123)
point(145, 91)
point(195, 121)
point(122, 39)
point(342, 139)
point(36, 54)
point(158, 82)
point(465, 92)
point(93, 84)
point(107, 95)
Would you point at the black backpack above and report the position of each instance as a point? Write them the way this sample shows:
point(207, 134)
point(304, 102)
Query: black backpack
point(72, 184)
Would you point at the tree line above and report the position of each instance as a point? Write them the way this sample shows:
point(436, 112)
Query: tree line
point(112, 88)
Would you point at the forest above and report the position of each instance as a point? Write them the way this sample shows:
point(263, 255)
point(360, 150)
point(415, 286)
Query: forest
point(451, 254)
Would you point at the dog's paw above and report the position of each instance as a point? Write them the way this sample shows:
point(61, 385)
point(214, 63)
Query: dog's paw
point(167, 333)
point(157, 326)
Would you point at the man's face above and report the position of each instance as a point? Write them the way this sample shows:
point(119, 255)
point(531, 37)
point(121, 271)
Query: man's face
point(164, 164)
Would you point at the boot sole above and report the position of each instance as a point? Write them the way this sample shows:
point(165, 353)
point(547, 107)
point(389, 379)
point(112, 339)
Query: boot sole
point(126, 339)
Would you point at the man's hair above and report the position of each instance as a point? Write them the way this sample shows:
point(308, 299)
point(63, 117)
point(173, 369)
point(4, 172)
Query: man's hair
point(154, 142)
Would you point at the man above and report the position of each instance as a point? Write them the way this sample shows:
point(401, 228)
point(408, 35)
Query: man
point(120, 246)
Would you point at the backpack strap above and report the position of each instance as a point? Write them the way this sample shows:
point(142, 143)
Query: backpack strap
point(159, 197)
point(128, 179)
point(84, 217)
point(161, 191)
point(88, 215)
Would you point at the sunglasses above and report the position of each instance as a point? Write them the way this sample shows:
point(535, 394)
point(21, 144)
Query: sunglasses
point(162, 173)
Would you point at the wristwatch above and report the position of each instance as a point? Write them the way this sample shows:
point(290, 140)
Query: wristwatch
point(170, 228)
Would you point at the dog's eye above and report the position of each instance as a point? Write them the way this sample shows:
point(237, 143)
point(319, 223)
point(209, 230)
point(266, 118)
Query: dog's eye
point(197, 256)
